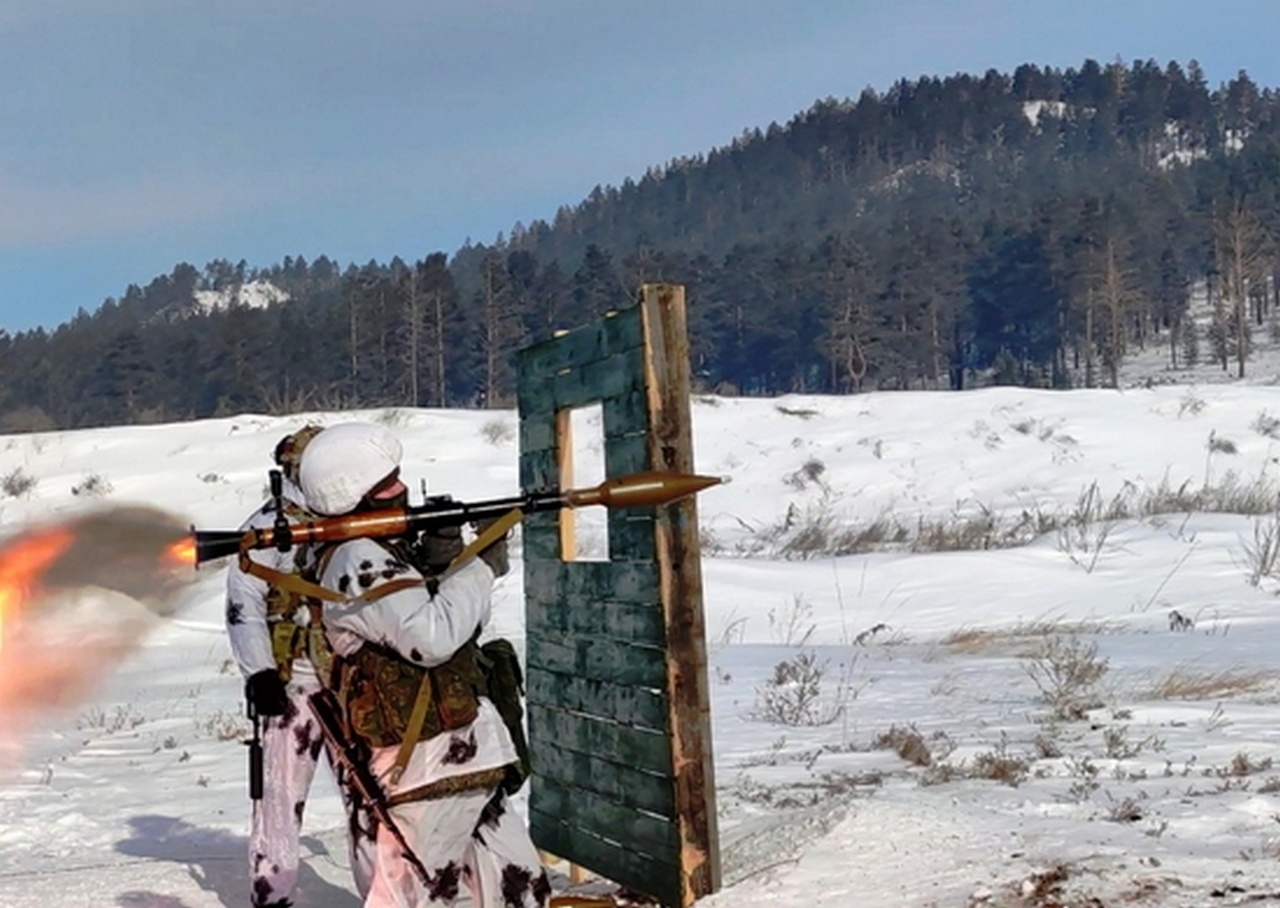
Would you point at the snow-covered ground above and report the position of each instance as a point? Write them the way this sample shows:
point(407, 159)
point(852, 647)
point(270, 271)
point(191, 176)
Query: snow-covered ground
point(929, 770)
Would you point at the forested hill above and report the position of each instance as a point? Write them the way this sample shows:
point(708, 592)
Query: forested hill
point(1032, 227)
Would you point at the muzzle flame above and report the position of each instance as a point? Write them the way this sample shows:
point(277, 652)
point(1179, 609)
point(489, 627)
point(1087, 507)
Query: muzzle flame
point(182, 553)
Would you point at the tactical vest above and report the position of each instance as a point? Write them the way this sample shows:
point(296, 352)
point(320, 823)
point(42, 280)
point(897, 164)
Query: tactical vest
point(388, 700)
point(292, 639)
point(379, 690)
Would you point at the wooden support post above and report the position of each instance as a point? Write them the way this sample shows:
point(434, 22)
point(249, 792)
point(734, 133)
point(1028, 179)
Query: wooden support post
point(666, 345)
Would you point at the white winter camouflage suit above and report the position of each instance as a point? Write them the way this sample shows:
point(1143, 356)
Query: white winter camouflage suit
point(291, 742)
point(470, 842)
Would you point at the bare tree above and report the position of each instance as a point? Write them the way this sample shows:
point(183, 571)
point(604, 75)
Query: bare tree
point(500, 329)
point(1242, 245)
point(1118, 296)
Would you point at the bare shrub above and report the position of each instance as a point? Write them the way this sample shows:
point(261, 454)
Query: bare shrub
point(95, 485)
point(907, 743)
point(800, 412)
point(880, 533)
point(1084, 775)
point(809, 472)
point(17, 483)
point(497, 431)
point(1190, 404)
point(1126, 810)
point(123, 718)
point(1066, 670)
point(393, 417)
point(793, 625)
point(1082, 536)
point(1047, 746)
point(793, 694)
point(1263, 556)
point(1185, 683)
point(803, 533)
point(1267, 425)
point(1118, 746)
point(1242, 765)
point(999, 765)
point(1219, 445)
point(224, 726)
point(996, 765)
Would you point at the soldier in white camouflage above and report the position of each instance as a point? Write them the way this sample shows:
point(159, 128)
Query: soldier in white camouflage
point(278, 649)
point(409, 677)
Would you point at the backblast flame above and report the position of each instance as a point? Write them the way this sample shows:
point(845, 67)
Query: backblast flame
point(22, 562)
point(77, 596)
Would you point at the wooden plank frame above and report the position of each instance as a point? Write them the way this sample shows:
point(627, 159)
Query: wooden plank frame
point(619, 716)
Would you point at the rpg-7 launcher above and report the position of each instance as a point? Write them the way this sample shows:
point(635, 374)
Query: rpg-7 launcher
point(634, 490)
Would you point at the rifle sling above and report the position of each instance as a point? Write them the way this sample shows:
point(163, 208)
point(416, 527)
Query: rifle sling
point(492, 534)
point(303, 587)
point(421, 703)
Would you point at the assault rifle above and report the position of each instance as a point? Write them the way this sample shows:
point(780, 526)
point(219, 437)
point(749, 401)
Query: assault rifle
point(355, 763)
point(634, 490)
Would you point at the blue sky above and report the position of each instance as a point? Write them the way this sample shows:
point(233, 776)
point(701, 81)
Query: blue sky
point(135, 134)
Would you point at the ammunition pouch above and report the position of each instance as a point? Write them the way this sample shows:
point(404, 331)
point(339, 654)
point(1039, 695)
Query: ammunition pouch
point(291, 640)
point(504, 686)
point(378, 690)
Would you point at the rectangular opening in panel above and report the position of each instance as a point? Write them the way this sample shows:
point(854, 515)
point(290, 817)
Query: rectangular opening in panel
point(584, 533)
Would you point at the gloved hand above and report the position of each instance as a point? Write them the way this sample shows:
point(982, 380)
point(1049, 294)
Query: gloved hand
point(266, 693)
point(495, 555)
point(439, 546)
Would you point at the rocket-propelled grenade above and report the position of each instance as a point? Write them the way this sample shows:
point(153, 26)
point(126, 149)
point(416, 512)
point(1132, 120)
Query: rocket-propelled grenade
point(634, 490)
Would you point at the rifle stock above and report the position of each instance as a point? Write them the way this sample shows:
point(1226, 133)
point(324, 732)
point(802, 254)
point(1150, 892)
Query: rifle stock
point(634, 490)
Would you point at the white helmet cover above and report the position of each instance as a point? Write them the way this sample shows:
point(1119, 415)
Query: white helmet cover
point(343, 463)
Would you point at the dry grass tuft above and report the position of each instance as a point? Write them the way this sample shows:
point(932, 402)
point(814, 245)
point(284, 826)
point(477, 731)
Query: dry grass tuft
point(1185, 683)
point(974, 640)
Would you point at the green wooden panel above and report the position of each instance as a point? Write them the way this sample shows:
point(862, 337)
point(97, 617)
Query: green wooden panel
point(540, 544)
point(626, 414)
point(660, 879)
point(637, 706)
point(599, 658)
point(625, 454)
point(643, 832)
point(555, 617)
point(539, 470)
point(641, 748)
point(537, 435)
point(596, 579)
point(623, 784)
point(624, 331)
point(632, 535)
point(606, 337)
point(534, 399)
point(569, 390)
point(621, 373)
point(581, 345)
